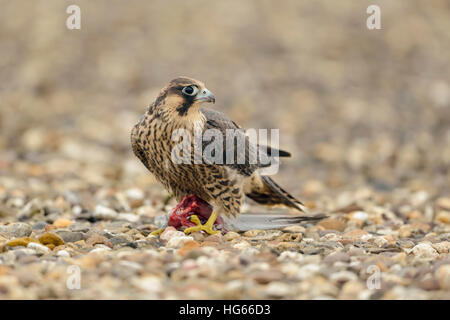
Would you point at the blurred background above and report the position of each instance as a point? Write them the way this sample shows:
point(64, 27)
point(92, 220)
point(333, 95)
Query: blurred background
point(359, 109)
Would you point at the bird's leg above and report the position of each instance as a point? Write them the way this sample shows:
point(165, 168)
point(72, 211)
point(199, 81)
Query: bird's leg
point(207, 227)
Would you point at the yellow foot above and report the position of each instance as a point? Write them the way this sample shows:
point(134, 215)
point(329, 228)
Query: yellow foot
point(157, 232)
point(207, 227)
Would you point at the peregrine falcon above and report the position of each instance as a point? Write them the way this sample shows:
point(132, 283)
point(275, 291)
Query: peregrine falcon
point(223, 186)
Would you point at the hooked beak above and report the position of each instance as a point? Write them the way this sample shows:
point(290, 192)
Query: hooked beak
point(205, 96)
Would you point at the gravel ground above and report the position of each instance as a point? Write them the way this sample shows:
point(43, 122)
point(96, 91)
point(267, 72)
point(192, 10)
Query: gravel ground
point(373, 246)
point(366, 115)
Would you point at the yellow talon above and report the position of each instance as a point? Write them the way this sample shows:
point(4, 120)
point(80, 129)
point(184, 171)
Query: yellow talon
point(157, 232)
point(207, 227)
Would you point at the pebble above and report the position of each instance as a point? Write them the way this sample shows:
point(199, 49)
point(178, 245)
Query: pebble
point(260, 235)
point(19, 229)
point(443, 276)
point(119, 239)
point(265, 276)
point(130, 217)
point(332, 224)
point(34, 207)
point(351, 290)
point(118, 226)
point(356, 235)
point(170, 232)
point(443, 203)
point(149, 211)
point(331, 237)
point(39, 225)
point(24, 251)
point(381, 242)
point(51, 240)
point(354, 251)
point(359, 215)
point(215, 238)
point(6, 211)
point(290, 237)
point(135, 196)
point(241, 245)
point(95, 239)
point(406, 244)
point(278, 289)
point(78, 227)
point(100, 250)
point(188, 246)
point(337, 257)
point(425, 251)
point(230, 235)
point(131, 265)
point(177, 242)
point(428, 282)
point(444, 217)
point(294, 229)
point(290, 256)
point(442, 247)
point(307, 271)
point(3, 229)
point(102, 212)
point(39, 248)
point(405, 231)
point(62, 223)
point(444, 236)
point(150, 284)
point(343, 276)
point(20, 242)
point(70, 236)
point(63, 253)
point(72, 197)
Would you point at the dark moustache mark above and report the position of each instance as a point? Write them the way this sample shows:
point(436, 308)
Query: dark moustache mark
point(183, 109)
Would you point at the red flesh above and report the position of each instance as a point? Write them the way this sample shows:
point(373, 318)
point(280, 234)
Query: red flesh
point(190, 205)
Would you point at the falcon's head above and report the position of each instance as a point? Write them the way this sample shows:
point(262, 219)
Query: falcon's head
point(182, 95)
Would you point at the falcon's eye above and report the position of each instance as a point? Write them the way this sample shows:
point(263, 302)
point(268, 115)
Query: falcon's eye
point(190, 90)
